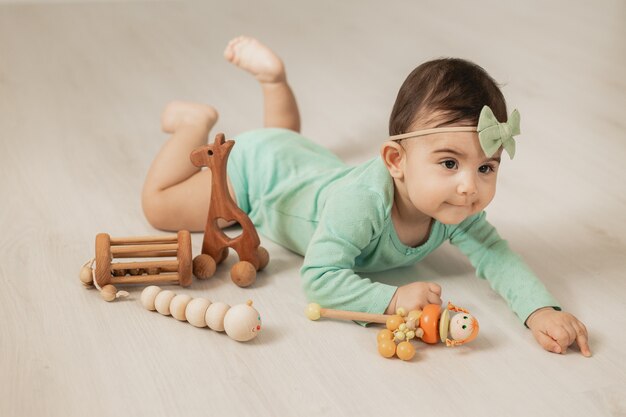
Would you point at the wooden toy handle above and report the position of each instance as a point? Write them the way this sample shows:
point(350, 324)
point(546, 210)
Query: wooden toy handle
point(353, 315)
point(314, 312)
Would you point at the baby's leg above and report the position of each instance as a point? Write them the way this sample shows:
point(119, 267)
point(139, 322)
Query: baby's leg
point(176, 194)
point(280, 108)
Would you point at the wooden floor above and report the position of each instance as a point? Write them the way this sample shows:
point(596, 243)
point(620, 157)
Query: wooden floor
point(82, 85)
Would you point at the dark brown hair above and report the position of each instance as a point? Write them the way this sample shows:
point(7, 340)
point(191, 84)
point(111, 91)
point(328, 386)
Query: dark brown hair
point(451, 89)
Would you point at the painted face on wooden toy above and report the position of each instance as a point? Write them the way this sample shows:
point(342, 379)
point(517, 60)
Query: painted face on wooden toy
point(242, 322)
point(463, 326)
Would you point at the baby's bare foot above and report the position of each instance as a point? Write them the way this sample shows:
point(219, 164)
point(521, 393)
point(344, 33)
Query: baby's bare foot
point(179, 113)
point(259, 60)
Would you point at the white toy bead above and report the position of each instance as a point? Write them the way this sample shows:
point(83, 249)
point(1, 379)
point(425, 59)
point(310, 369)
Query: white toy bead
point(178, 306)
point(108, 292)
point(148, 295)
point(215, 316)
point(162, 302)
point(242, 322)
point(196, 311)
point(86, 276)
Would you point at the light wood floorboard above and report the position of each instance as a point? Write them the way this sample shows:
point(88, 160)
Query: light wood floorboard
point(82, 85)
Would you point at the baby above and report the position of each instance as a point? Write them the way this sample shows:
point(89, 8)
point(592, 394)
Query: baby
point(435, 175)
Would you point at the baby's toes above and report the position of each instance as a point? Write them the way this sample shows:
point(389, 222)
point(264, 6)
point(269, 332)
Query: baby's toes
point(231, 48)
point(229, 54)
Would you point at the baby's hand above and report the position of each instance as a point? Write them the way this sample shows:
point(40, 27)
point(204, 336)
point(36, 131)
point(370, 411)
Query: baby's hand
point(556, 330)
point(415, 296)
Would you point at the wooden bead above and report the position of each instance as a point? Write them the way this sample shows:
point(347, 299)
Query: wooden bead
point(196, 311)
point(313, 311)
point(386, 348)
point(214, 316)
point(384, 334)
point(118, 272)
point(148, 296)
point(134, 271)
point(204, 266)
point(242, 322)
point(243, 274)
point(178, 306)
point(264, 258)
point(86, 276)
point(393, 322)
point(108, 292)
point(153, 271)
point(405, 351)
point(414, 315)
point(162, 302)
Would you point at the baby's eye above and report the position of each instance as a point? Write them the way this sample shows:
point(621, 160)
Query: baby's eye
point(486, 169)
point(449, 164)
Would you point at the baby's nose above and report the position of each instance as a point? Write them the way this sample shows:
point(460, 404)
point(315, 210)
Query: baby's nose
point(467, 185)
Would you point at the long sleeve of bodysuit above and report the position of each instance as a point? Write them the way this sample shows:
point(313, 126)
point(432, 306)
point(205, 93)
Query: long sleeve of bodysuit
point(348, 223)
point(505, 271)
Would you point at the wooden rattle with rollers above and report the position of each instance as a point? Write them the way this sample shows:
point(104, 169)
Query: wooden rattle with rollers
point(215, 246)
point(431, 325)
point(241, 322)
point(151, 266)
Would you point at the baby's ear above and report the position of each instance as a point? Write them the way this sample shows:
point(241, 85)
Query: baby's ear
point(393, 155)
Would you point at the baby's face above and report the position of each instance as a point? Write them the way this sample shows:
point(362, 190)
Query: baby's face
point(448, 176)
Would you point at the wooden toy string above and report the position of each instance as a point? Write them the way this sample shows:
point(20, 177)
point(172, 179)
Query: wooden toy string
point(93, 279)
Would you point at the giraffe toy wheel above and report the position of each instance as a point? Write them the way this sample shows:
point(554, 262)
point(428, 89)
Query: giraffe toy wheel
point(243, 274)
point(264, 258)
point(204, 266)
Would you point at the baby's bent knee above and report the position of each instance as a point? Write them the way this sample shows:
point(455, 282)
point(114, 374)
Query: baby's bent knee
point(154, 211)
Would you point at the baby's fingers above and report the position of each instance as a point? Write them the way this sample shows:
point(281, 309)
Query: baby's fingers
point(433, 298)
point(436, 288)
point(547, 342)
point(581, 340)
point(563, 337)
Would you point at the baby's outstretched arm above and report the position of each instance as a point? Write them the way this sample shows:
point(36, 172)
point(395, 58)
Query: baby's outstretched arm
point(509, 275)
point(556, 330)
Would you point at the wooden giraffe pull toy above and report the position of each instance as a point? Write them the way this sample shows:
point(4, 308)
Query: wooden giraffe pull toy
point(252, 257)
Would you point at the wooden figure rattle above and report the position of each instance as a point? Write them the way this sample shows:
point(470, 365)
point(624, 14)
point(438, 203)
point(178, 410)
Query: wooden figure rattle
point(241, 322)
point(431, 325)
point(252, 257)
point(108, 273)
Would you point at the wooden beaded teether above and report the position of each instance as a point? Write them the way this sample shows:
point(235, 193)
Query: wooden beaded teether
point(252, 257)
point(241, 322)
point(431, 325)
point(107, 273)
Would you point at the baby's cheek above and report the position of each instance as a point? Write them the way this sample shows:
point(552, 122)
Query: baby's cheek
point(428, 196)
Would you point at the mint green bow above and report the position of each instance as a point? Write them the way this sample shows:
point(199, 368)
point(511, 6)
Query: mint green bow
point(493, 134)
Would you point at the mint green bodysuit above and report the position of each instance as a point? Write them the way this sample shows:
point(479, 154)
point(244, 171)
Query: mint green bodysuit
point(302, 196)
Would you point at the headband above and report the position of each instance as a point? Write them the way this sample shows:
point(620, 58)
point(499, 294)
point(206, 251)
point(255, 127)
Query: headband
point(491, 133)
